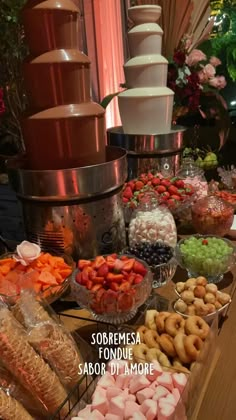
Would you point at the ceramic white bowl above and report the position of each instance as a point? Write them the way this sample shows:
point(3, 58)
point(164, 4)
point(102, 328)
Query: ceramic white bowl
point(144, 13)
point(146, 71)
point(146, 110)
point(145, 39)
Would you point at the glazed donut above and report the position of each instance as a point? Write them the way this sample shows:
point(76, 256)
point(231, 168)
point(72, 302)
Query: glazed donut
point(150, 319)
point(160, 321)
point(141, 331)
point(155, 354)
point(197, 326)
point(180, 348)
point(151, 339)
point(140, 352)
point(177, 364)
point(193, 345)
point(174, 324)
point(167, 345)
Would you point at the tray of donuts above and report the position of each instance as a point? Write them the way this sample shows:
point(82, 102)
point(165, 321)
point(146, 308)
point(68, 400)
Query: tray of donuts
point(198, 297)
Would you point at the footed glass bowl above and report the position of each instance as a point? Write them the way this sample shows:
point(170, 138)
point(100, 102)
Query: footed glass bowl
point(163, 273)
point(115, 307)
point(206, 255)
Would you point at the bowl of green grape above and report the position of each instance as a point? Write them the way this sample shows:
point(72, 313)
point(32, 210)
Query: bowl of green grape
point(206, 255)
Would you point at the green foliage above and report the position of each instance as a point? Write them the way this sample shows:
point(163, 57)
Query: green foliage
point(12, 53)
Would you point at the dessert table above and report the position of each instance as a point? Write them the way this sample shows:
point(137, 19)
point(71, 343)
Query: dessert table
point(217, 399)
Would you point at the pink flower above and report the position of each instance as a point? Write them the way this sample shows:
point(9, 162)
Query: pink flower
point(218, 82)
point(202, 76)
point(194, 57)
point(215, 61)
point(27, 252)
point(209, 71)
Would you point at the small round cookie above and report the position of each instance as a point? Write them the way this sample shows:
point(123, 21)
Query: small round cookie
point(199, 292)
point(200, 308)
point(191, 310)
point(218, 305)
point(174, 324)
point(180, 286)
point(209, 298)
point(181, 306)
point(190, 282)
point(211, 288)
point(211, 308)
point(201, 281)
point(223, 298)
point(187, 296)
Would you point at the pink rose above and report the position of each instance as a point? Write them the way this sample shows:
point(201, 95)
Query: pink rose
point(218, 82)
point(27, 252)
point(209, 71)
point(202, 76)
point(194, 57)
point(215, 61)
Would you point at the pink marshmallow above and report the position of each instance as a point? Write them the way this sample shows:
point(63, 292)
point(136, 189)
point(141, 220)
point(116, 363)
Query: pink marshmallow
point(113, 392)
point(144, 394)
point(138, 416)
point(165, 412)
point(137, 383)
point(100, 390)
point(165, 380)
point(179, 381)
point(106, 380)
point(154, 385)
point(117, 406)
point(160, 392)
point(85, 412)
point(156, 371)
point(109, 416)
point(147, 404)
point(123, 381)
point(130, 408)
point(96, 415)
point(99, 402)
point(151, 414)
point(169, 399)
point(176, 394)
point(131, 397)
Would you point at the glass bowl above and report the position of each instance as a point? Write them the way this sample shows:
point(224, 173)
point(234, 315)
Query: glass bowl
point(25, 280)
point(163, 273)
point(111, 306)
point(212, 216)
point(212, 263)
point(208, 318)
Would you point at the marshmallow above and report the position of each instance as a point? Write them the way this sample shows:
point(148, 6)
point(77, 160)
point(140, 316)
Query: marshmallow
point(144, 394)
point(106, 380)
point(123, 381)
point(113, 392)
point(137, 383)
point(138, 416)
point(131, 407)
point(117, 405)
point(109, 416)
point(165, 412)
point(176, 394)
point(156, 371)
point(165, 380)
point(168, 399)
point(96, 415)
point(179, 381)
point(160, 392)
point(99, 402)
point(147, 404)
point(85, 412)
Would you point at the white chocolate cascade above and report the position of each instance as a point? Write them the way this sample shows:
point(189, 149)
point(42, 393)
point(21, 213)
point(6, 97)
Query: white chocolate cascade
point(147, 104)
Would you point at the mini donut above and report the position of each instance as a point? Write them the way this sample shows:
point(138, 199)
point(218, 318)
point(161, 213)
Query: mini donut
point(155, 354)
point(167, 345)
point(187, 296)
point(190, 282)
point(212, 288)
point(181, 306)
point(140, 352)
point(223, 298)
point(210, 298)
point(174, 324)
point(199, 292)
point(177, 364)
point(193, 345)
point(141, 331)
point(197, 326)
point(160, 321)
point(150, 319)
point(218, 305)
point(191, 310)
point(180, 286)
point(180, 348)
point(201, 281)
point(151, 339)
point(211, 308)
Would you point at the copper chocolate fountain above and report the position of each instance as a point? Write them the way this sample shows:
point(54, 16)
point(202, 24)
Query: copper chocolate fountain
point(69, 183)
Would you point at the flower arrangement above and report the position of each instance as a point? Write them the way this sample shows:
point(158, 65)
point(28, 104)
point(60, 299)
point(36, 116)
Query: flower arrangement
point(192, 76)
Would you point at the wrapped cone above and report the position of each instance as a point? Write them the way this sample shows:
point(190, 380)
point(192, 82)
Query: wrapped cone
point(10, 409)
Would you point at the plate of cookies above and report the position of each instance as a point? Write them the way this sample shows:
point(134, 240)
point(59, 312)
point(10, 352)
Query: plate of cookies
point(172, 340)
point(198, 297)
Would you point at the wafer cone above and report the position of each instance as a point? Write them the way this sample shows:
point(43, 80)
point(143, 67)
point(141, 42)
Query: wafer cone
point(10, 409)
point(58, 349)
point(30, 369)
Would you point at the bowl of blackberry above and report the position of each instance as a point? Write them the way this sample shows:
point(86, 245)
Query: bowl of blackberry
point(160, 258)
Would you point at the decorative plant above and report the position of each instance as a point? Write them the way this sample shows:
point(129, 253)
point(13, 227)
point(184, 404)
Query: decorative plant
point(12, 53)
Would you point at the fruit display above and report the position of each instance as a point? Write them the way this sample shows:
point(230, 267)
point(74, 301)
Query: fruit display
point(159, 257)
point(205, 159)
point(112, 286)
point(171, 191)
point(198, 297)
point(206, 256)
point(212, 216)
point(230, 198)
point(136, 397)
point(43, 272)
point(171, 340)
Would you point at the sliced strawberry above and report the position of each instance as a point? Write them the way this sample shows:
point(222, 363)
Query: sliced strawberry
point(98, 280)
point(98, 262)
point(114, 255)
point(139, 185)
point(128, 265)
point(89, 284)
point(108, 301)
point(103, 270)
point(125, 274)
point(161, 189)
point(118, 266)
point(115, 277)
point(78, 278)
point(96, 306)
point(139, 268)
point(114, 286)
point(138, 279)
point(173, 190)
point(124, 258)
point(96, 287)
point(131, 278)
point(84, 277)
point(128, 193)
point(124, 287)
point(84, 263)
point(110, 261)
point(92, 274)
point(99, 294)
point(125, 302)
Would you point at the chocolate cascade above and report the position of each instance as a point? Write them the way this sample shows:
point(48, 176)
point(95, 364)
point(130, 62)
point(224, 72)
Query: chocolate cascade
point(63, 128)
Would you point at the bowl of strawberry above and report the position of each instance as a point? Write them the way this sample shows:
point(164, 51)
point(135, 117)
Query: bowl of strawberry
point(173, 192)
point(112, 287)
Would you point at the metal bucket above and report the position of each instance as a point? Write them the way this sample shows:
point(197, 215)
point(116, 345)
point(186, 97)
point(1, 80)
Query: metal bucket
point(160, 152)
point(75, 211)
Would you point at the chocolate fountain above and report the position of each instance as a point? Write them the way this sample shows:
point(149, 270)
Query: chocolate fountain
point(69, 182)
point(146, 105)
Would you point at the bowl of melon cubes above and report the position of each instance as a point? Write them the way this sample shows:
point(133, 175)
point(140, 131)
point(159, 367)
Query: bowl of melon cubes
point(47, 274)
